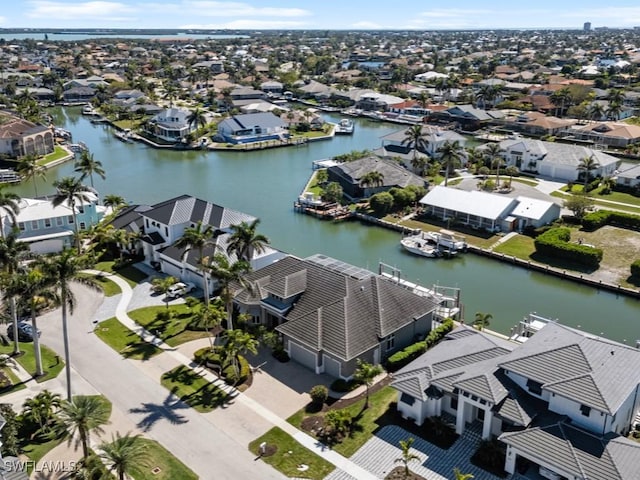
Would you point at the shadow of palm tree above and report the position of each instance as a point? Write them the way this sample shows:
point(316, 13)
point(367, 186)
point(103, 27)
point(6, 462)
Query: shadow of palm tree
point(153, 412)
point(140, 349)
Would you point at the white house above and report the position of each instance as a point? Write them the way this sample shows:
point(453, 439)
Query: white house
point(252, 127)
point(562, 391)
point(628, 175)
point(558, 161)
point(171, 124)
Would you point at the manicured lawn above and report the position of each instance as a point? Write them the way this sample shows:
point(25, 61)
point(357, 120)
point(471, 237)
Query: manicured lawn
point(52, 364)
point(192, 389)
point(124, 341)
point(108, 287)
point(531, 183)
point(367, 421)
point(16, 384)
point(600, 201)
point(173, 332)
point(287, 463)
point(131, 274)
point(35, 451)
point(520, 246)
point(57, 154)
point(616, 197)
point(170, 467)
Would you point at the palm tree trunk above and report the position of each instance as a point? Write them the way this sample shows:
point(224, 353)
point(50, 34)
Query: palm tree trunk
point(36, 343)
point(84, 440)
point(35, 187)
point(76, 228)
point(229, 315)
point(446, 175)
point(14, 319)
point(67, 354)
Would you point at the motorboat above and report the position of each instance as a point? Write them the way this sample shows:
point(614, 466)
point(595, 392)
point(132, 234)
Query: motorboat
point(345, 127)
point(419, 245)
point(447, 240)
point(124, 135)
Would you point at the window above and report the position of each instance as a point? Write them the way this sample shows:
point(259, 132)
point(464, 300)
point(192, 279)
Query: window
point(83, 226)
point(59, 221)
point(70, 219)
point(534, 387)
point(407, 399)
point(585, 410)
point(390, 342)
point(47, 223)
point(80, 208)
point(21, 226)
point(481, 414)
point(34, 224)
point(454, 403)
point(166, 231)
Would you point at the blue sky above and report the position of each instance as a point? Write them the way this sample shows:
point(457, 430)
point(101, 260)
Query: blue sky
point(317, 14)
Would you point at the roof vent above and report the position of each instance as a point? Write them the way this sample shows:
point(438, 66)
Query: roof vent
point(362, 288)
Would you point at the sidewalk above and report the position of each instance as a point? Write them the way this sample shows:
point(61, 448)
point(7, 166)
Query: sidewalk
point(307, 441)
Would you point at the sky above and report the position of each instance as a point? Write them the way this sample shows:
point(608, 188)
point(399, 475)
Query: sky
point(317, 14)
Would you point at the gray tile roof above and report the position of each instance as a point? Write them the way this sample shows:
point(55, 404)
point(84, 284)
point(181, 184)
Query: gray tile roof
point(558, 153)
point(394, 174)
point(582, 454)
point(334, 311)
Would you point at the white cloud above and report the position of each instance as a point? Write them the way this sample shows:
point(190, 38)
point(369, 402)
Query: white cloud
point(79, 11)
point(248, 25)
point(364, 25)
point(616, 16)
point(236, 9)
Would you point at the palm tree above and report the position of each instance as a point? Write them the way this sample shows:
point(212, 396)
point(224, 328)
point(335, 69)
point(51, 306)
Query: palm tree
point(113, 201)
point(228, 273)
point(245, 242)
point(208, 318)
point(616, 95)
point(9, 206)
point(162, 285)
point(511, 171)
point(406, 457)
point(71, 191)
point(451, 155)
point(61, 270)
point(461, 476)
point(614, 110)
point(124, 453)
point(482, 320)
point(418, 163)
point(595, 111)
point(197, 117)
point(486, 93)
point(586, 166)
point(87, 166)
point(493, 152)
point(12, 252)
point(29, 169)
point(415, 138)
point(42, 409)
point(366, 373)
point(199, 237)
point(81, 416)
point(238, 342)
point(372, 179)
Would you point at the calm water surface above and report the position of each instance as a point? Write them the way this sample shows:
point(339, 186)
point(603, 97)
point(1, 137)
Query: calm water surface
point(265, 184)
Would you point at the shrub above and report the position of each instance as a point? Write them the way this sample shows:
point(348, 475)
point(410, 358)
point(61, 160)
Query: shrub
point(595, 220)
point(319, 394)
point(342, 386)
point(555, 243)
point(381, 203)
point(635, 269)
point(410, 353)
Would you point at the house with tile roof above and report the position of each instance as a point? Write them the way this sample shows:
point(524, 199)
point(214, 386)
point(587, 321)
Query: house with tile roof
point(330, 314)
point(252, 127)
point(614, 134)
point(628, 175)
point(19, 137)
point(435, 137)
point(564, 400)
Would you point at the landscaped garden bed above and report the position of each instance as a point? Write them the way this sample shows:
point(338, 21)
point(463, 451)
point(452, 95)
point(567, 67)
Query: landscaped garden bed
point(193, 389)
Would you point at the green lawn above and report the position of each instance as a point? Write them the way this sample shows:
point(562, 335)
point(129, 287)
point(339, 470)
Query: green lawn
point(598, 200)
point(57, 154)
point(16, 384)
point(131, 274)
point(192, 389)
point(51, 362)
point(169, 467)
point(287, 463)
point(35, 451)
point(368, 421)
point(174, 332)
point(531, 183)
point(124, 341)
point(108, 287)
point(520, 246)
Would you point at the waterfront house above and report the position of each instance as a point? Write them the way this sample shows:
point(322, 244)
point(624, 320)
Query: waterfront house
point(252, 127)
point(49, 229)
point(468, 117)
point(19, 137)
point(538, 124)
point(330, 314)
point(489, 211)
point(350, 174)
point(562, 391)
point(435, 138)
point(79, 94)
point(171, 124)
point(628, 175)
point(554, 160)
point(613, 134)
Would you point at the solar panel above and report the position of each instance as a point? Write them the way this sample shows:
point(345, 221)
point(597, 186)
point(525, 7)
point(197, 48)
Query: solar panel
point(340, 266)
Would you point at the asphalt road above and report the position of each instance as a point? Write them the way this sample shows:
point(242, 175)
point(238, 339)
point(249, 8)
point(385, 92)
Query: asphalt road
point(135, 390)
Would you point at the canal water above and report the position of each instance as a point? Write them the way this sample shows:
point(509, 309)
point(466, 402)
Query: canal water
point(265, 184)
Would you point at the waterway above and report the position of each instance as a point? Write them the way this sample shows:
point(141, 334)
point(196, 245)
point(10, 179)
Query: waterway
point(265, 183)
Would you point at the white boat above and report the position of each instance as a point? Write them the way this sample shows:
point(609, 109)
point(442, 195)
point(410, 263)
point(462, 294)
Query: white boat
point(89, 110)
point(124, 135)
point(418, 245)
point(447, 240)
point(345, 127)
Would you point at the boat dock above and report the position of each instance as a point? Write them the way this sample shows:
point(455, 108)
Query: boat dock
point(325, 211)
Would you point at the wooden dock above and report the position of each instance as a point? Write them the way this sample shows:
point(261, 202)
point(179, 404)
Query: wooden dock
point(328, 211)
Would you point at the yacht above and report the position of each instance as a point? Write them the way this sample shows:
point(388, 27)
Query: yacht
point(419, 245)
point(447, 240)
point(345, 127)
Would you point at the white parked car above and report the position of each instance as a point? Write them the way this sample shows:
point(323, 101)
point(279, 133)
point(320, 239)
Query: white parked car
point(179, 289)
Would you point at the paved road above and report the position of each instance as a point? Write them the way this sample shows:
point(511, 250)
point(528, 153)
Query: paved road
point(191, 437)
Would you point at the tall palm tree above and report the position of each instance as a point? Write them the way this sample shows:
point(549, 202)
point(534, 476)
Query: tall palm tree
point(365, 373)
point(415, 138)
point(208, 318)
point(196, 118)
point(61, 271)
point(29, 169)
point(81, 416)
point(451, 155)
point(227, 274)
point(586, 166)
point(71, 191)
point(616, 95)
point(124, 453)
point(238, 342)
point(595, 111)
point(482, 320)
point(113, 201)
point(12, 252)
point(201, 236)
point(244, 241)
point(493, 152)
point(9, 207)
point(87, 166)
point(407, 457)
point(614, 110)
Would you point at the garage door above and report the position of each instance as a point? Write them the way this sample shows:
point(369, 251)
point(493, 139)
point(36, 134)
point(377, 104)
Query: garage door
point(171, 270)
point(303, 356)
point(53, 245)
point(331, 366)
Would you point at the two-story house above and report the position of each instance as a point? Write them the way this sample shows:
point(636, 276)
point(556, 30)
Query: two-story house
point(171, 124)
point(19, 137)
point(562, 391)
point(252, 127)
point(49, 229)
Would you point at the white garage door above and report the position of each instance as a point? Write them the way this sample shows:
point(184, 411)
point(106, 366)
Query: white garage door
point(303, 356)
point(53, 245)
point(331, 366)
point(171, 270)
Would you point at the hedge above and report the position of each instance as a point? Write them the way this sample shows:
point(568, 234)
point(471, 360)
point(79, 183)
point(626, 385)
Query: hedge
point(555, 243)
point(594, 220)
point(635, 269)
point(410, 353)
point(205, 356)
